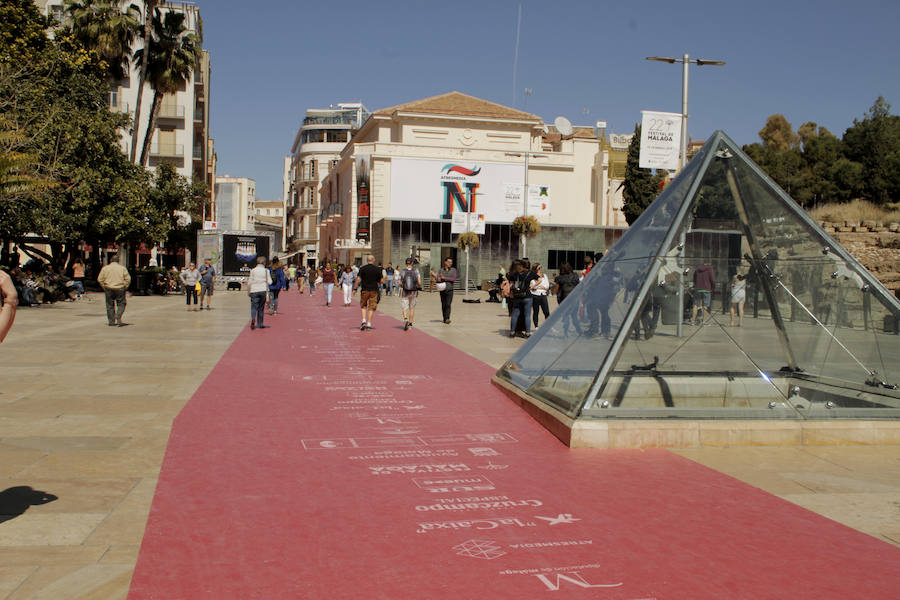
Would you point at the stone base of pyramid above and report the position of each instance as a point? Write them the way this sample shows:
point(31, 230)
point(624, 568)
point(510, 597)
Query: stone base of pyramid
point(593, 432)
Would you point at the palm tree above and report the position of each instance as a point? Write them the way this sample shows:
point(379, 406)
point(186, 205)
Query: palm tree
point(149, 9)
point(106, 29)
point(174, 54)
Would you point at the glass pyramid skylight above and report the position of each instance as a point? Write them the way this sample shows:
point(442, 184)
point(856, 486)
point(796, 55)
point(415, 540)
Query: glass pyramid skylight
point(818, 338)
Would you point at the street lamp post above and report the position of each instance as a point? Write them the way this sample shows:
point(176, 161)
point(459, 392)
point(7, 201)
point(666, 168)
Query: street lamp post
point(523, 240)
point(685, 62)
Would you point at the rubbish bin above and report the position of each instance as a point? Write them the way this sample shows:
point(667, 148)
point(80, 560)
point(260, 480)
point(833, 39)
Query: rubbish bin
point(140, 283)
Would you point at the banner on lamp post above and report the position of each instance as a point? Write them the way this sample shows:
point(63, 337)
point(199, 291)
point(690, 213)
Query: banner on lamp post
point(467, 222)
point(660, 140)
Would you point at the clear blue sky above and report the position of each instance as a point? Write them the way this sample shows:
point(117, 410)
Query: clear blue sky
point(823, 61)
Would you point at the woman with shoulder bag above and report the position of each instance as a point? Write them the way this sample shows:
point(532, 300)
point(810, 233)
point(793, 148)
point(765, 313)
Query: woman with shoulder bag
point(540, 287)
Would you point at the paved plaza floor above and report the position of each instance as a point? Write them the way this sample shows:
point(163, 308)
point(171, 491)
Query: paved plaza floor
point(86, 413)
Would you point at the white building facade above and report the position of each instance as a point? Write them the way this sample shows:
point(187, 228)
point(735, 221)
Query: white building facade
point(235, 199)
point(398, 183)
point(317, 147)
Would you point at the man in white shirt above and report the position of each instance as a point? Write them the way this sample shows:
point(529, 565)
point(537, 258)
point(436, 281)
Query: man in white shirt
point(257, 285)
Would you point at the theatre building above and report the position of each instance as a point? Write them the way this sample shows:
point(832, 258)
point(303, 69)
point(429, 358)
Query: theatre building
point(412, 170)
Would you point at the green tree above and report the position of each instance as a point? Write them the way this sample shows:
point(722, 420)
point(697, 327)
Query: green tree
point(173, 57)
point(104, 28)
point(778, 135)
point(779, 154)
point(22, 30)
point(874, 143)
point(147, 37)
point(641, 186)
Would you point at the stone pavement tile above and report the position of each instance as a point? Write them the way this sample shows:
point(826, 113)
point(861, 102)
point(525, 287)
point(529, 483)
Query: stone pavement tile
point(24, 556)
point(91, 582)
point(95, 465)
point(13, 460)
point(874, 461)
point(81, 402)
point(875, 514)
point(773, 459)
point(121, 554)
point(36, 527)
point(125, 525)
point(854, 482)
point(12, 577)
point(63, 426)
point(78, 495)
point(55, 444)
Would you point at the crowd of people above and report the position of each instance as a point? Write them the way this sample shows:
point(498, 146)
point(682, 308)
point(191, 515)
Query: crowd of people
point(525, 289)
point(38, 283)
point(266, 283)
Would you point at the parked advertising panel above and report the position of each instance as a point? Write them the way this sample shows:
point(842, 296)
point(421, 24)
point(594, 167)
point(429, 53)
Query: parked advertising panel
point(239, 253)
point(435, 189)
point(363, 209)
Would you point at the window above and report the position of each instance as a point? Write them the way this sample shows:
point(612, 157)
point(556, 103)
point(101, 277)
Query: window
point(114, 98)
point(55, 13)
point(575, 258)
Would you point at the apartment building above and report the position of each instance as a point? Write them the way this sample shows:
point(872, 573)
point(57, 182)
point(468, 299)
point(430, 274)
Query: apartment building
point(181, 136)
point(317, 147)
point(235, 200)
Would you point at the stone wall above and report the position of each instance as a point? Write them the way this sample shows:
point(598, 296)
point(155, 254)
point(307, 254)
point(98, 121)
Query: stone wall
point(873, 243)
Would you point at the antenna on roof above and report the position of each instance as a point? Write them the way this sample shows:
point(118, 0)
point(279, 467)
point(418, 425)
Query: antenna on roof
point(563, 126)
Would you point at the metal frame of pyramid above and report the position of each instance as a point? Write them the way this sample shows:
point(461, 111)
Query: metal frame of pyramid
point(822, 341)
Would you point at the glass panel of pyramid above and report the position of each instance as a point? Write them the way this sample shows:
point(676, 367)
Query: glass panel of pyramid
point(655, 330)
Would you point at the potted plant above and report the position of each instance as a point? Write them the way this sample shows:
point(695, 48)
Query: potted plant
point(526, 226)
point(467, 240)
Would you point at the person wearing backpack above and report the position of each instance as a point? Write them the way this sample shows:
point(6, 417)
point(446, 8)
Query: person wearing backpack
point(410, 284)
point(520, 278)
point(277, 275)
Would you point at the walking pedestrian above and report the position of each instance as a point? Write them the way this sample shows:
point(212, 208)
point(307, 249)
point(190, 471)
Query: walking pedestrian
point(190, 277)
point(311, 276)
point(540, 288)
point(278, 284)
point(389, 279)
point(446, 276)
point(301, 278)
point(410, 284)
point(257, 284)
point(346, 282)
point(207, 282)
point(78, 276)
point(114, 279)
point(328, 281)
point(368, 281)
point(292, 276)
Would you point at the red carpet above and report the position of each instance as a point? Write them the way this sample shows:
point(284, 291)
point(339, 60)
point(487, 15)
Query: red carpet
point(318, 461)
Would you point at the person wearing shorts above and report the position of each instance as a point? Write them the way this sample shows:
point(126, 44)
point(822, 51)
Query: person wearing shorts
point(368, 281)
point(207, 279)
point(408, 297)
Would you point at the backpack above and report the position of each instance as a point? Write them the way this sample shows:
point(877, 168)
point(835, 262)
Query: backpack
point(410, 280)
point(520, 288)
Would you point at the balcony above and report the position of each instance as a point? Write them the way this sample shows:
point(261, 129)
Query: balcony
point(304, 209)
point(300, 239)
point(167, 150)
point(171, 111)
